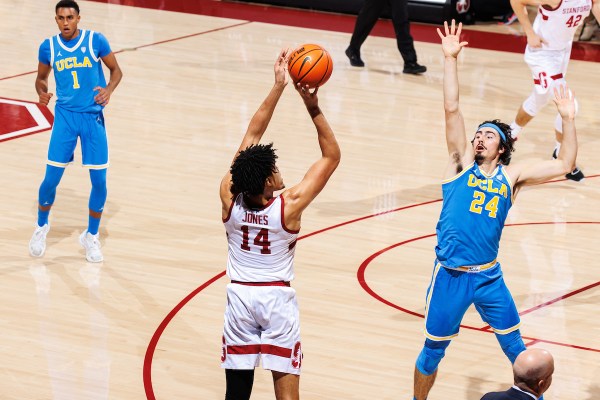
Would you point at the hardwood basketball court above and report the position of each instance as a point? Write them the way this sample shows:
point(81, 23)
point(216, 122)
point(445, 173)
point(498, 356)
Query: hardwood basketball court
point(147, 322)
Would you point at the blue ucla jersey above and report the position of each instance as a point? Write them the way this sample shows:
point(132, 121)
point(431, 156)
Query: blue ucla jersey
point(77, 69)
point(474, 209)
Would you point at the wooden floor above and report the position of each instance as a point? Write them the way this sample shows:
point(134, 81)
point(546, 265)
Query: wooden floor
point(126, 328)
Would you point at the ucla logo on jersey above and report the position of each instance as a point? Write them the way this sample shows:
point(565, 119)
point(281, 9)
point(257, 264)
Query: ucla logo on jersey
point(72, 62)
point(487, 185)
point(499, 177)
point(83, 49)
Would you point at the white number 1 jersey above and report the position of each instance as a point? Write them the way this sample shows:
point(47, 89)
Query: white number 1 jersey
point(557, 26)
point(261, 248)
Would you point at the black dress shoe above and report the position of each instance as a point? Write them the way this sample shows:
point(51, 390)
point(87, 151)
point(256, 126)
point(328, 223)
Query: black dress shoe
point(354, 57)
point(414, 68)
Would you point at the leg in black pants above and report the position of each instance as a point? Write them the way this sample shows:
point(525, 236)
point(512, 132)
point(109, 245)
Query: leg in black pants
point(402, 29)
point(366, 20)
point(239, 384)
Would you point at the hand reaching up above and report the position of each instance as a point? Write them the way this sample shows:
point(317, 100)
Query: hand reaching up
point(451, 44)
point(565, 102)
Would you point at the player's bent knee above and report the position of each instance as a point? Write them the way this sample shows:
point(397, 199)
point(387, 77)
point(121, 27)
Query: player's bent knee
point(431, 355)
point(512, 344)
point(239, 383)
point(535, 102)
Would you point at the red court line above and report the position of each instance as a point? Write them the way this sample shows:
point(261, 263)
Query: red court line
point(147, 370)
point(369, 216)
point(345, 23)
point(43, 109)
point(150, 44)
point(362, 281)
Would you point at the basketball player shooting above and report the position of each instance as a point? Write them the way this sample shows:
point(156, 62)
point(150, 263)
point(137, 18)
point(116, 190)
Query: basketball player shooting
point(261, 316)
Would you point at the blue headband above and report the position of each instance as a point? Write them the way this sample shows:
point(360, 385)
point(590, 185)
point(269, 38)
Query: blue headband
point(494, 127)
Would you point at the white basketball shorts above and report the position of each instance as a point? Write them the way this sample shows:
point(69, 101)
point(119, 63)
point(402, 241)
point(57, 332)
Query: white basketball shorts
point(262, 323)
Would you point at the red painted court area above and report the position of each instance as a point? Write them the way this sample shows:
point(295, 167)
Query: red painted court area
point(21, 118)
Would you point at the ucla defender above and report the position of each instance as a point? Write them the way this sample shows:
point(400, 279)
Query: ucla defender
point(478, 191)
point(549, 42)
point(261, 317)
point(76, 56)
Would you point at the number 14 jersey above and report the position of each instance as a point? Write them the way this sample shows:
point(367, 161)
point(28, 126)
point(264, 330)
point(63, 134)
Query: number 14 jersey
point(261, 248)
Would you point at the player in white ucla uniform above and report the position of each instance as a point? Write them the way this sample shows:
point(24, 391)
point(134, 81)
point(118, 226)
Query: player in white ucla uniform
point(76, 56)
point(261, 317)
point(478, 190)
point(547, 54)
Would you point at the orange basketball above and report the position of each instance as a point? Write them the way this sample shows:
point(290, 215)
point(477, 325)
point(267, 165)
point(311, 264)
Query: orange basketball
point(311, 65)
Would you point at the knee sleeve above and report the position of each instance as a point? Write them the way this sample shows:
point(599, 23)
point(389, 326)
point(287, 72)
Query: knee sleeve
point(536, 101)
point(558, 119)
point(431, 355)
point(239, 383)
point(512, 344)
point(99, 192)
point(47, 191)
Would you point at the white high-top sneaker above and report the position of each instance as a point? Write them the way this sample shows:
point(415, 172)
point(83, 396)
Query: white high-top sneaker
point(91, 244)
point(37, 244)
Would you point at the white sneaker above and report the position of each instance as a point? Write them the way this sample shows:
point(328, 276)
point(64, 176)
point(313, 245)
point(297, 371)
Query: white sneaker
point(91, 244)
point(37, 244)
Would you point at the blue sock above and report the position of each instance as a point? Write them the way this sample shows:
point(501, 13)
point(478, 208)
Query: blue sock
point(93, 225)
point(43, 217)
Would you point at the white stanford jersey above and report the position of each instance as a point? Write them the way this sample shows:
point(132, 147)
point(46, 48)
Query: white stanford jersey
point(261, 248)
point(557, 26)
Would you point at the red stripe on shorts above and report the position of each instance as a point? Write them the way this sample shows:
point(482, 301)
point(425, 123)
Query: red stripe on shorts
point(275, 283)
point(260, 348)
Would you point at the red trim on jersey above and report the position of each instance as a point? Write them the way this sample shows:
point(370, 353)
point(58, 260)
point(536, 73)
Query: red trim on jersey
point(229, 212)
point(293, 232)
point(271, 200)
point(260, 348)
point(292, 245)
point(548, 8)
point(544, 16)
point(274, 283)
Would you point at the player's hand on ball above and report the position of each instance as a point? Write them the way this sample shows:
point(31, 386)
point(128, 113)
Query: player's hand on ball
point(281, 67)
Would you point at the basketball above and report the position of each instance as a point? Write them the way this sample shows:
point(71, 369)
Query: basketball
point(311, 65)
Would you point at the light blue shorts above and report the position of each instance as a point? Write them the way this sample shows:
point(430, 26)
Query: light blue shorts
point(89, 127)
point(451, 292)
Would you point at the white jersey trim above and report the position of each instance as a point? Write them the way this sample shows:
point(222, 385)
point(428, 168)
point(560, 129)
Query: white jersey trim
point(72, 49)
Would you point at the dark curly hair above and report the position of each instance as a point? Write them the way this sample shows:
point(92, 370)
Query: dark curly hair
point(508, 145)
point(251, 168)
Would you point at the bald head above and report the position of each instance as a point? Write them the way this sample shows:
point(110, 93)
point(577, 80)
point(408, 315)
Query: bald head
point(533, 370)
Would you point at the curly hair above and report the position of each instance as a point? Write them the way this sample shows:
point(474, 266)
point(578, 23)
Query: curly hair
point(251, 168)
point(508, 145)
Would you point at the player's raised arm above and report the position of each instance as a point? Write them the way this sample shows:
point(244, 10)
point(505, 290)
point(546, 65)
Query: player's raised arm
point(455, 126)
point(299, 196)
point(565, 162)
point(520, 9)
point(259, 122)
